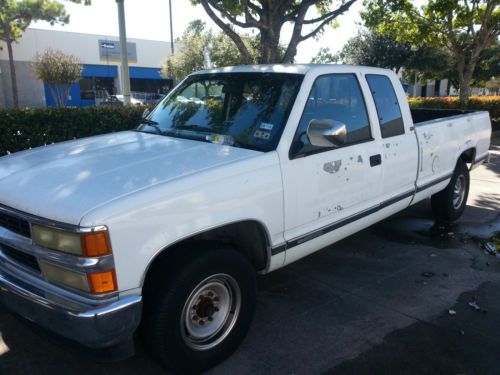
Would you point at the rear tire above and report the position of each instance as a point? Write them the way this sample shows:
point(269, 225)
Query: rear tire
point(449, 204)
point(198, 312)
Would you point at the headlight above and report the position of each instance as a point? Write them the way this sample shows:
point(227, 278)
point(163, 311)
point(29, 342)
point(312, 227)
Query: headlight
point(93, 282)
point(89, 244)
point(64, 276)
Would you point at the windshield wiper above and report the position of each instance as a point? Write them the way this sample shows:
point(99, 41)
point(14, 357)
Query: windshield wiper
point(153, 124)
point(199, 128)
point(149, 122)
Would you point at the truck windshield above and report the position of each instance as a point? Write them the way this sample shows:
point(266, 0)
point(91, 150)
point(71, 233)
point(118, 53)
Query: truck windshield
point(247, 110)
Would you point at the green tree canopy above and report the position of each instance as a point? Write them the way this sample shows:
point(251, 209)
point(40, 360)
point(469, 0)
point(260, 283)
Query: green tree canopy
point(325, 56)
point(268, 17)
point(371, 48)
point(375, 49)
point(493, 85)
point(195, 39)
point(464, 28)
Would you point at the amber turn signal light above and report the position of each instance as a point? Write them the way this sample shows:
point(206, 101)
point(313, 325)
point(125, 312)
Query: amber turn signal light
point(102, 282)
point(96, 244)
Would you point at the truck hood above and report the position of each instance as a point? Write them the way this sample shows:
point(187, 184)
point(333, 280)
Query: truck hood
point(64, 181)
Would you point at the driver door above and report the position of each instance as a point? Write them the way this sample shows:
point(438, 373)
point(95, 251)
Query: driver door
point(325, 187)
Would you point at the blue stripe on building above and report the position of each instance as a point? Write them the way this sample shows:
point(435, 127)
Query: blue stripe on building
point(101, 71)
point(145, 73)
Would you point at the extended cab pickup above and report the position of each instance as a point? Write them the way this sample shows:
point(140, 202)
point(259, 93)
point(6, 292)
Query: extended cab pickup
point(237, 171)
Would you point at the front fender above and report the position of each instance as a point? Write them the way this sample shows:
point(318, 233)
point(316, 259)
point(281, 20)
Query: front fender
point(145, 223)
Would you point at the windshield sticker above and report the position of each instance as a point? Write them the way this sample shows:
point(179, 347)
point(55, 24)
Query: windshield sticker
point(262, 134)
point(220, 139)
point(266, 126)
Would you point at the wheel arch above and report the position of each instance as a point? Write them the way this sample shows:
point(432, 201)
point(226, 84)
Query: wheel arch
point(248, 237)
point(468, 156)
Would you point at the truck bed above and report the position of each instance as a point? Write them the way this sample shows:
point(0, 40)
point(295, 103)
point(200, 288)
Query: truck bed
point(443, 135)
point(428, 114)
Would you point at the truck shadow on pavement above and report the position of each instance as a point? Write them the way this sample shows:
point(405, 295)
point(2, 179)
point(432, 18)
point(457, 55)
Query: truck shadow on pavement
point(464, 343)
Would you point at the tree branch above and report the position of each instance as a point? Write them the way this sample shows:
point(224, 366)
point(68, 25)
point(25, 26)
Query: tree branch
point(295, 39)
point(304, 4)
point(470, 18)
point(229, 32)
point(248, 16)
point(226, 14)
point(344, 7)
point(321, 18)
point(253, 7)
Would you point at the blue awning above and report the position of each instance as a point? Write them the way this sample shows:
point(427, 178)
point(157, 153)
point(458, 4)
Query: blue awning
point(145, 73)
point(112, 71)
point(99, 71)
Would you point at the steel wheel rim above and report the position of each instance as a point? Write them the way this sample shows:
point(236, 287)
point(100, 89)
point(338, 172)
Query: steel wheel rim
point(210, 312)
point(459, 192)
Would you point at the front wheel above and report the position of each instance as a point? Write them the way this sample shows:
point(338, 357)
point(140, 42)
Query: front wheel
point(199, 314)
point(449, 204)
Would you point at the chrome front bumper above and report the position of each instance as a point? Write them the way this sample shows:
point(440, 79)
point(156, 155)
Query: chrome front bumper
point(98, 326)
point(95, 321)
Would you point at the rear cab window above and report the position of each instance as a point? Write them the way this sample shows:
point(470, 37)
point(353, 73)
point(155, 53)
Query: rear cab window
point(387, 105)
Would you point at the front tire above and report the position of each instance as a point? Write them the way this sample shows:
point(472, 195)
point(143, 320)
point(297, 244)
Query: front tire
point(449, 204)
point(201, 309)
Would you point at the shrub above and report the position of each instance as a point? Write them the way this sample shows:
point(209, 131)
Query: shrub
point(58, 71)
point(485, 103)
point(22, 129)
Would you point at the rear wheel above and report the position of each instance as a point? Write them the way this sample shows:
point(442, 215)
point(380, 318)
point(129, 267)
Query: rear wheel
point(449, 204)
point(197, 315)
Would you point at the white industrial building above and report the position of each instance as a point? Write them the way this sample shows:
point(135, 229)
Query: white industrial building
point(101, 74)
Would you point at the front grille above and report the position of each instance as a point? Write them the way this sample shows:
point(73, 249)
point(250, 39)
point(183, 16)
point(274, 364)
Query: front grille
point(15, 224)
point(20, 257)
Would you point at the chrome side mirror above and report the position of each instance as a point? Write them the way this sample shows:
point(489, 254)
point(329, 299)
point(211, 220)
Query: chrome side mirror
point(326, 133)
point(146, 112)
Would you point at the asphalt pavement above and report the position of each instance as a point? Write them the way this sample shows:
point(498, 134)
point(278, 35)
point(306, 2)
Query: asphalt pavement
point(402, 297)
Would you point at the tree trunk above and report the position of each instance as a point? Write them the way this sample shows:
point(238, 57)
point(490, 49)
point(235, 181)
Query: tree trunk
point(465, 72)
point(463, 80)
point(464, 90)
point(8, 41)
point(53, 92)
point(247, 58)
point(269, 34)
point(269, 45)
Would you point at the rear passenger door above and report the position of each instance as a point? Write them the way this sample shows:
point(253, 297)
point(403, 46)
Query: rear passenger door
point(325, 185)
point(398, 142)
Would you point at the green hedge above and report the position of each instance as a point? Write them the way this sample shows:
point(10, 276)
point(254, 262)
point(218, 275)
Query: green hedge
point(21, 129)
point(485, 103)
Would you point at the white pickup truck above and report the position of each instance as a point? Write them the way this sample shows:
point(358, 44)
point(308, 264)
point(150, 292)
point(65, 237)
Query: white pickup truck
point(162, 230)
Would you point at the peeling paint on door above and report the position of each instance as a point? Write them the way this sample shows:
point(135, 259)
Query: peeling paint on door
point(333, 166)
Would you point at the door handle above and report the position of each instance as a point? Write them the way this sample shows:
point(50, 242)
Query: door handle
point(375, 160)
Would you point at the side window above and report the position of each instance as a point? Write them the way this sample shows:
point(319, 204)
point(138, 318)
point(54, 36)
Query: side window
point(335, 97)
point(386, 102)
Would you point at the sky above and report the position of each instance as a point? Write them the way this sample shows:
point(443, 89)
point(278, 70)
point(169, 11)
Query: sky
point(149, 19)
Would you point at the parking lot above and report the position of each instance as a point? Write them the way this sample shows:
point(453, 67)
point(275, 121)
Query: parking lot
point(391, 299)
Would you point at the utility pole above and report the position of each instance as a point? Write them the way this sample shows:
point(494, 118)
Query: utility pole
point(415, 85)
point(123, 53)
point(171, 26)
